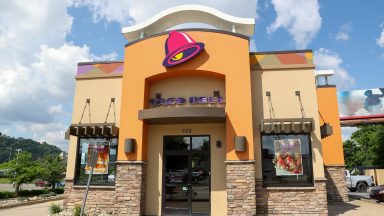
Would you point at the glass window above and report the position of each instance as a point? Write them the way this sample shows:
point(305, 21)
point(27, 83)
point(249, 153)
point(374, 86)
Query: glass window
point(176, 143)
point(287, 160)
point(105, 169)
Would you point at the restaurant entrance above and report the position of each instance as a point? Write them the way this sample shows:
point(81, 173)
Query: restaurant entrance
point(186, 175)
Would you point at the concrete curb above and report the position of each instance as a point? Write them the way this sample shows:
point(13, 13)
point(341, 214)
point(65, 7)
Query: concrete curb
point(357, 197)
point(30, 203)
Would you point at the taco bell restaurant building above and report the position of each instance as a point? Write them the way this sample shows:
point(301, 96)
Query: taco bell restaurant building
point(193, 123)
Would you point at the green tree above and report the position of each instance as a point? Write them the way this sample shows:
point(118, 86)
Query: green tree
point(23, 169)
point(53, 168)
point(366, 147)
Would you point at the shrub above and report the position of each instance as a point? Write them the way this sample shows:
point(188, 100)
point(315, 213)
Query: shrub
point(59, 190)
point(55, 208)
point(31, 193)
point(77, 210)
point(48, 194)
point(6, 194)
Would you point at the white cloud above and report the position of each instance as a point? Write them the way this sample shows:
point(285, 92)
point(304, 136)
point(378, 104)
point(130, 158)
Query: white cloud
point(346, 132)
point(343, 33)
point(131, 12)
point(37, 68)
point(52, 133)
point(380, 39)
point(300, 18)
point(327, 59)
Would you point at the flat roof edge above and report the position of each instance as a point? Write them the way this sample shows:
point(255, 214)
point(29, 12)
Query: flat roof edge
point(281, 51)
point(99, 62)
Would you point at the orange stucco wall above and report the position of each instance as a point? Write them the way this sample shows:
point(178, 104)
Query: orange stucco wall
point(332, 145)
point(226, 56)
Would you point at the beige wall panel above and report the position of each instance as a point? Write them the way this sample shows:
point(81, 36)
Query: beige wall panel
point(188, 86)
point(100, 91)
point(71, 162)
point(155, 164)
point(257, 115)
point(282, 84)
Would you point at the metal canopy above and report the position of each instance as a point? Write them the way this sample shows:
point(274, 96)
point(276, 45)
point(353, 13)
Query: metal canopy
point(93, 130)
point(189, 13)
point(288, 125)
point(182, 115)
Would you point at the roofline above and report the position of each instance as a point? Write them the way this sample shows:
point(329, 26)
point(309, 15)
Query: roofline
point(99, 62)
point(187, 30)
point(281, 51)
point(189, 13)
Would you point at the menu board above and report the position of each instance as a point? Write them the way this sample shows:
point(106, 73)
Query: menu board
point(101, 166)
point(288, 159)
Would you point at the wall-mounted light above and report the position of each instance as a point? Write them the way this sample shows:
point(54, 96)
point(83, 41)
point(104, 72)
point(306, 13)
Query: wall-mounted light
point(218, 143)
point(240, 143)
point(129, 145)
point(216, 93)
point(326, 130)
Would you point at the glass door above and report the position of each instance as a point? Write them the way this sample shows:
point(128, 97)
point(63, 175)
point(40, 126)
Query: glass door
point(186, 176)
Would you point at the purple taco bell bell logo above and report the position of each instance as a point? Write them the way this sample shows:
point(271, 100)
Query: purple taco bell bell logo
point(179, 48)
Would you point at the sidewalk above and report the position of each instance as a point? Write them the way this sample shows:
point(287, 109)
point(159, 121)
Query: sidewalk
point(356, 208)
point(41, 209)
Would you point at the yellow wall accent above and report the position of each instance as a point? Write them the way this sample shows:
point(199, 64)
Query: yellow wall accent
point(333, 153)
point(225, 55)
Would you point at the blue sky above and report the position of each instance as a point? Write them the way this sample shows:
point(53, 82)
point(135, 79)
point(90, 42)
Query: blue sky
point(42, 41)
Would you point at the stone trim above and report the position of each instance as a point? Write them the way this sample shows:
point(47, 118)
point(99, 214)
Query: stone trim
point(292, 201)
point(131, 162)
point(127, 197)
point(289, 188)
point(98, 198)
point(239, 161)
point(336, 183)
point(130, 187)
point(240, 183)
point(95, 186)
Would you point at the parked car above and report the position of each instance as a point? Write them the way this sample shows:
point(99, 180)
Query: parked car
point(377, 193)
point(41, 183)
point(60, 184)
point(358, 183)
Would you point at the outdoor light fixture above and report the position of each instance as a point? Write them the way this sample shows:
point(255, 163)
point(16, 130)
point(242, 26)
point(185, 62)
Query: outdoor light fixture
point(240, 143)
point(216, 93)
point(218, 143)
point(326, 130)
point(129, 145)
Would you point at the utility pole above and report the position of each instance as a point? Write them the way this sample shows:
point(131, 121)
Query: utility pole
point(18, 151)
point(10, 153)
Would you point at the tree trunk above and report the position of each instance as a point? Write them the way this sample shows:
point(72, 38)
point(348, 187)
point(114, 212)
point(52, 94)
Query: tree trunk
point(17, 188)
point(53, 186)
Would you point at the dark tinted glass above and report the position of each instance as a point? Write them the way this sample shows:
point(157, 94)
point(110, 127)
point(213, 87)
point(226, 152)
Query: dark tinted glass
point(105, 169)
point(176, 143)
point(297, 171)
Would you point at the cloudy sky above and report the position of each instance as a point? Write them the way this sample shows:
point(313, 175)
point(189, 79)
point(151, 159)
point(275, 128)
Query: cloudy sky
point(41, 42)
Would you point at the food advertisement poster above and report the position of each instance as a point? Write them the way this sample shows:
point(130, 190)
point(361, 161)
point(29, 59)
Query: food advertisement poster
point(287, 158)
point(101, 166)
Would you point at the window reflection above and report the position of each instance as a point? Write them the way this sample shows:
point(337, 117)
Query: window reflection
point(105, 169)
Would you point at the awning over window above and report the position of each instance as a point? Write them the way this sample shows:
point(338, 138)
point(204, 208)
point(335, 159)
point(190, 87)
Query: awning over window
point(92, 130)
point(288, 125)
point(180, 115)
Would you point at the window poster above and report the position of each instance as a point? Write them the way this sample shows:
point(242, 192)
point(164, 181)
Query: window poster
point(101, 166)
point(288, 160)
